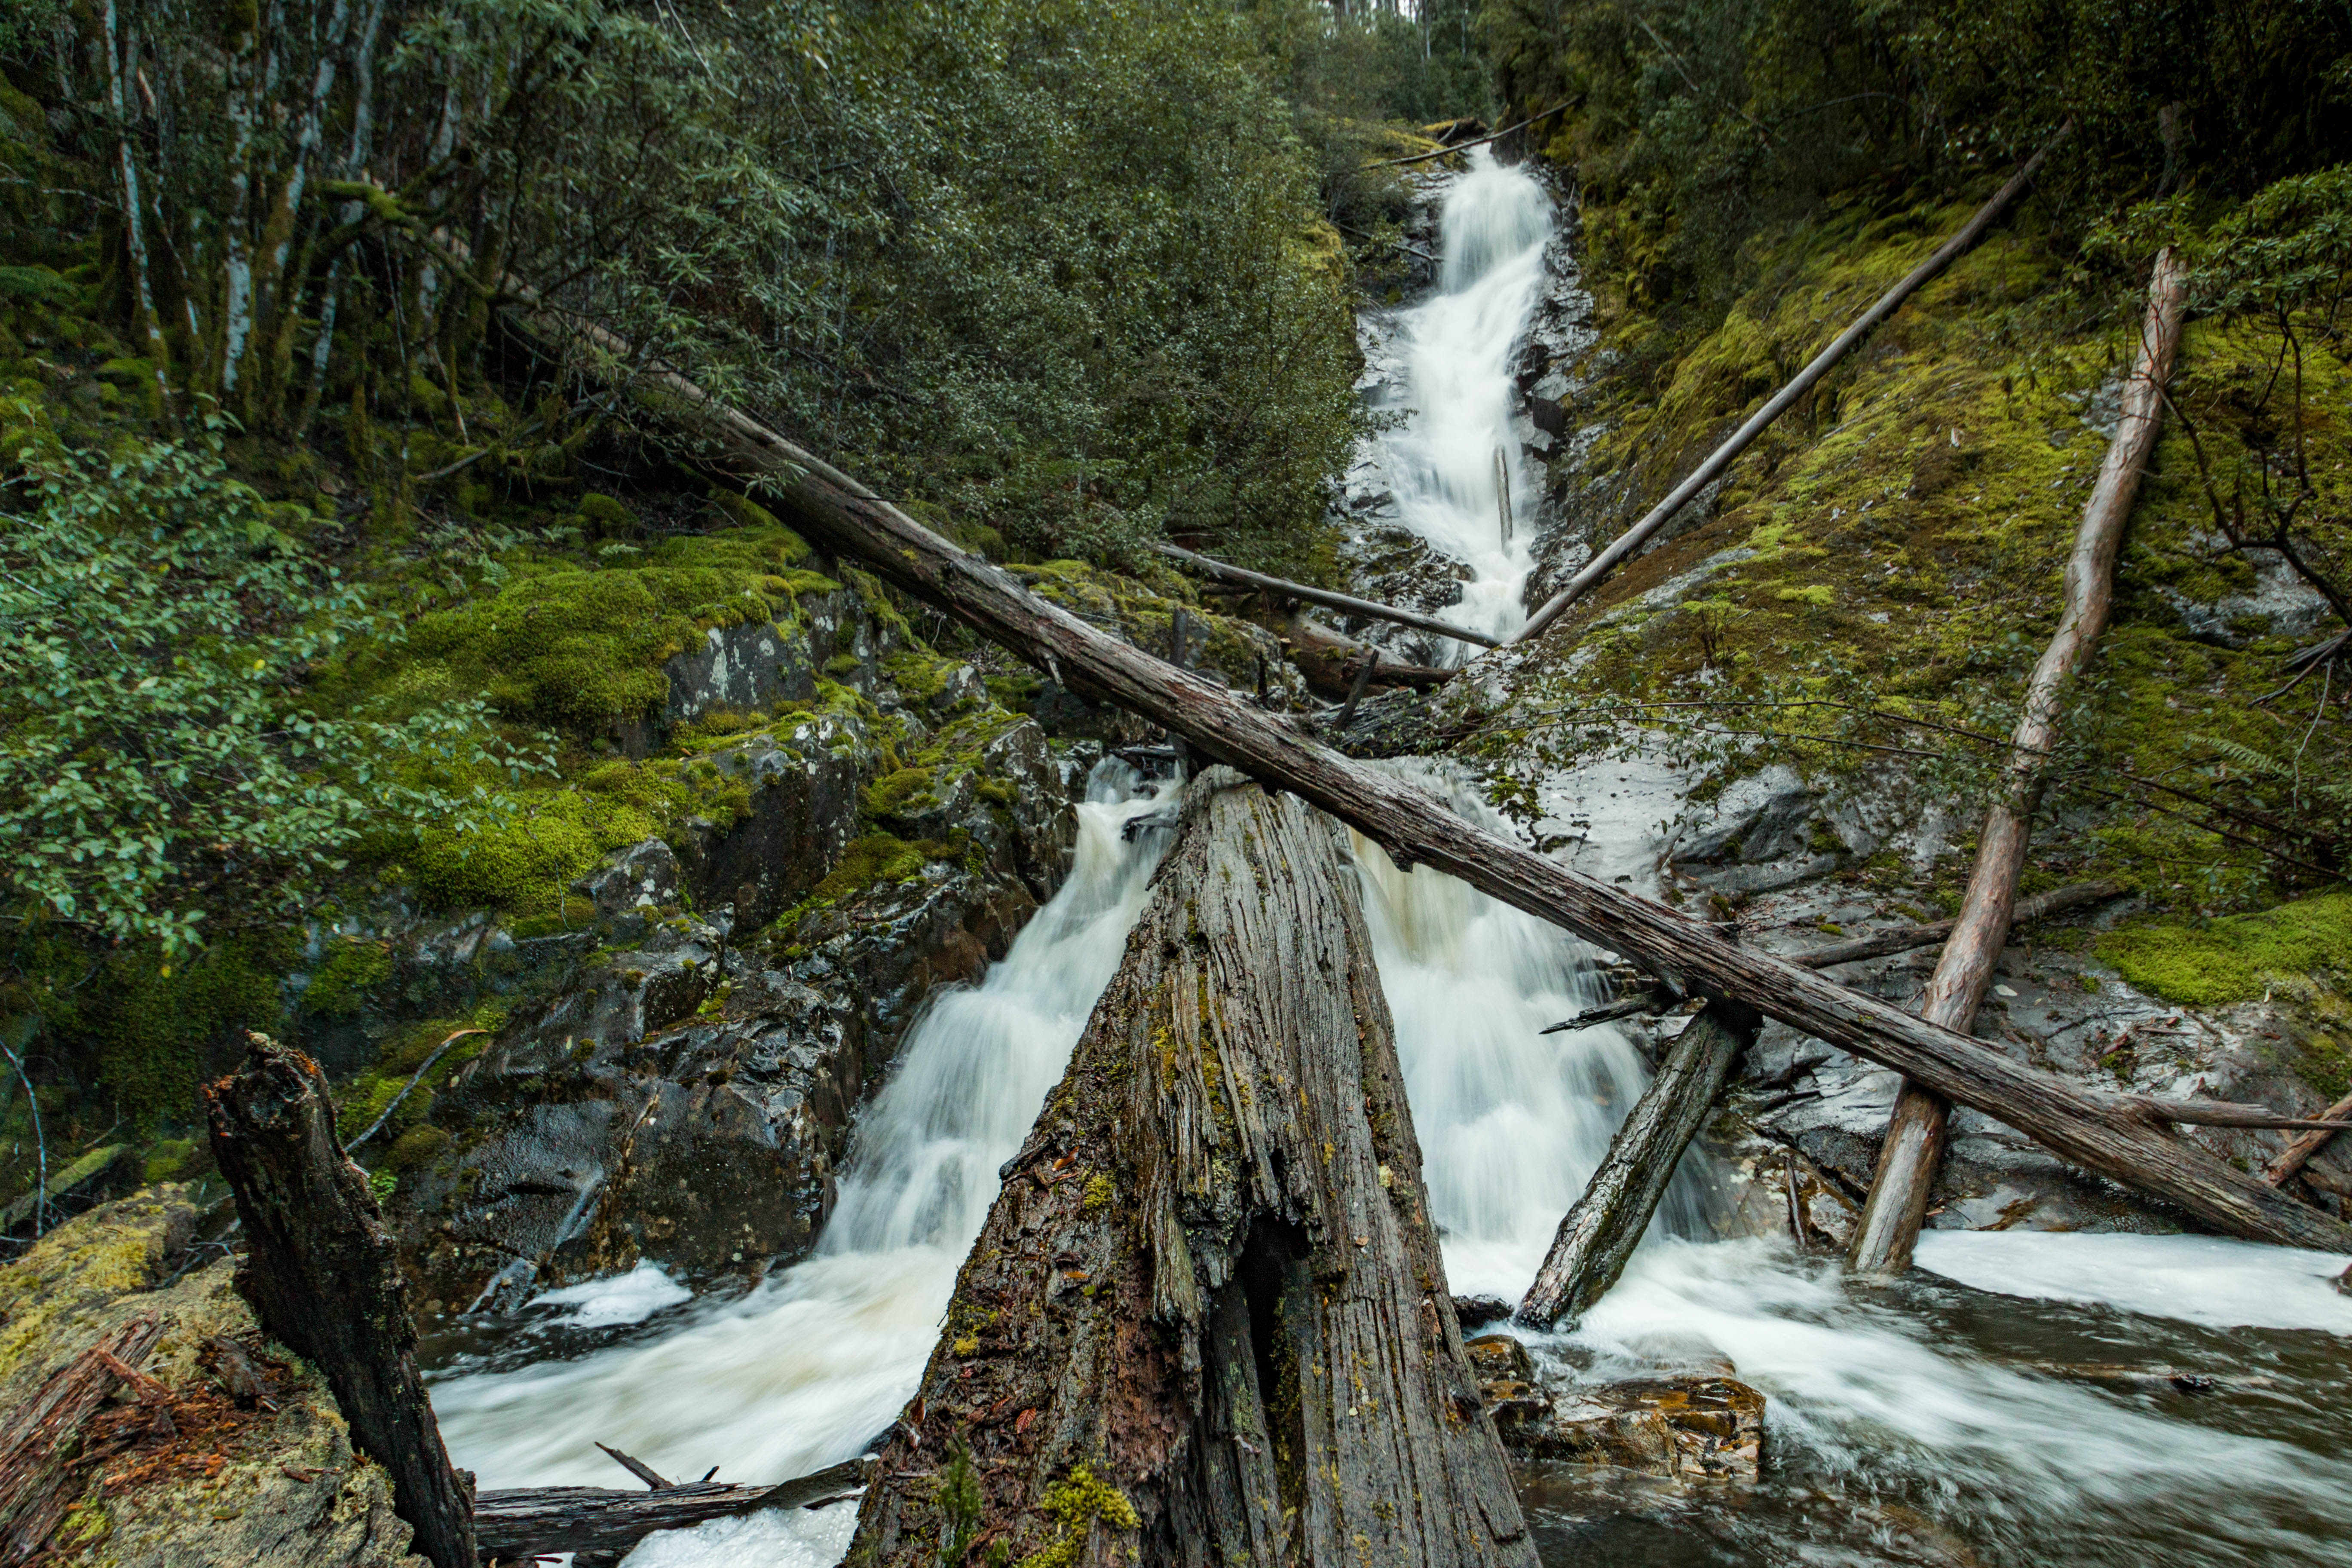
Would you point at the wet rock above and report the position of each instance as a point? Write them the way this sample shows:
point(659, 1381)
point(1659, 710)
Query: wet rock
point(1477, 1311)
point(805, 784)
point(1689, 1428)
point(273, 1484)
point(641, 877)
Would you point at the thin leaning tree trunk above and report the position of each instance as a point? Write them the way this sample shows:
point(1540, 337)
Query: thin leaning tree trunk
point(1722, 457)
point(1601, 1231)
point(1206, 1322)
point(2120, 1140)
point(1916, 1132)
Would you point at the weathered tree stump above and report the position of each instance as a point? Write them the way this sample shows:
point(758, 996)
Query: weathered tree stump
point(322, 1279)
point(1601, 1231)
point(1207, 1321)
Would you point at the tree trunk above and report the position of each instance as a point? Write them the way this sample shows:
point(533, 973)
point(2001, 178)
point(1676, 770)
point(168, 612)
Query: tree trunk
point(1712, 468)
point(1206, 1322)
point(320, 1276)
point(2298, 1153)
point(1601, 1232)
point(1915, 1134)
point(2092, 1129)
point(1348, 602)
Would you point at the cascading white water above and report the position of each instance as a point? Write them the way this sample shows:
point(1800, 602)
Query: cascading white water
point(804, 1370)
point(1927, 1403)
point(1459, 345)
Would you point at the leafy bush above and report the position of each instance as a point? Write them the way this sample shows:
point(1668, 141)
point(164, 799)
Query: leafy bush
point(160, 776)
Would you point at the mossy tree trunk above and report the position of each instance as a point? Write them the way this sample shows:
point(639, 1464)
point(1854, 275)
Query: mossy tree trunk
point(1206, 1320)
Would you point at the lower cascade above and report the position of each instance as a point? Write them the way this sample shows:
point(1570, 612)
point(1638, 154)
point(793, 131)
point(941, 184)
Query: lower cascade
point(2029, 1398)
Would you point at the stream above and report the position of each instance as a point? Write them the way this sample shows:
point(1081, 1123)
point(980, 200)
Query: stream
point(1972, 1413)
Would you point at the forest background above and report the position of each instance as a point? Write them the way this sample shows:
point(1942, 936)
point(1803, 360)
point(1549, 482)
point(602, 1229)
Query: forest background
point(319, 587)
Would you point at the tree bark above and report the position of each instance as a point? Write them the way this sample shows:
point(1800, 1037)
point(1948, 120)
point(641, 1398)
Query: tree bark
point(1206, 1323)
point(1348, 602)
point(1915, 1134)
point(2091, 1127)
point(534, 1522)
point(321, 1278)
point(1716, 462)
point(41, 1438)
point(1601, 1231)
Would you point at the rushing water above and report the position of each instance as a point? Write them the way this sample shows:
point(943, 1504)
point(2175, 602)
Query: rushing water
point(1970, 1415)
point(1458, 394)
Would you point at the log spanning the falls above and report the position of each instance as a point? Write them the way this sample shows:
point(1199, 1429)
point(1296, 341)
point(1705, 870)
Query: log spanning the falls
point(1916, 1132)
point(322, 1280)
point(1206, 1320)
point(1348, 602)
point(1711, 467)
point(1601, 1232)
point(2098, 1131)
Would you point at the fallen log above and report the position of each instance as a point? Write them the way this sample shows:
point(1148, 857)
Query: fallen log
point(1904, 938)
point(1877, 945)
point(2299, 1151)
point(1601, 1231)
point(1464, 146)
point(322, 1279)
point(41, 1440)
point(1328, 661)
point(2089, 1127)
point(1713, 466)
point(1916, 1132)
point(1367, 608)
point(1206, 1320)
point(518, 1525)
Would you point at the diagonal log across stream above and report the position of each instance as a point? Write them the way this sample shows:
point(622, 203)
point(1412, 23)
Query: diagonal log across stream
point(2099, 1132)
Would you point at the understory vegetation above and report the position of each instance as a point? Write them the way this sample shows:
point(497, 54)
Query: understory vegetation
point(1863, 596)
point(327, 601)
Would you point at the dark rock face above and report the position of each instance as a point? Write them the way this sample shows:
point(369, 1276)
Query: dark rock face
point(685, 1095)
point(1694, 1426)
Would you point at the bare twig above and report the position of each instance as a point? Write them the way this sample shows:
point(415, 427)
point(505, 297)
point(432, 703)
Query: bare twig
point(414, 1079)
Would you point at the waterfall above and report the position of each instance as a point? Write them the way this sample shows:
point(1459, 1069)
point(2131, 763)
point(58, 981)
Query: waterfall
point(1459, 393)
point(805, 1369)
point(1955, 1416)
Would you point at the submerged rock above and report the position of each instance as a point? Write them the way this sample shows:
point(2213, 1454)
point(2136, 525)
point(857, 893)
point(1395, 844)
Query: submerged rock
point(1699, 1426)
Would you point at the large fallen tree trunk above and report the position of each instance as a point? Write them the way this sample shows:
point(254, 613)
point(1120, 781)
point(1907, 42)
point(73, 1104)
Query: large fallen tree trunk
point(1712, 468)
point(2095, 1129)
point(322, 1279)
point(1206, 1322)
point(540, 1521)
point(1601, 1231)
point(1887, 1231)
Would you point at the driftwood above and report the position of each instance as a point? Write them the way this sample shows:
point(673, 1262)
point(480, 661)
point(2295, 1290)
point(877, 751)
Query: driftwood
point(2090, 1127)
point(1916, 1132)
point(1716, 462)
point(2299, 1151)
point(1601, 1232)
point(42, 1438)
point(322, 1279)
point(534, 1522)
point(1206, 1320)
point(1367, 608)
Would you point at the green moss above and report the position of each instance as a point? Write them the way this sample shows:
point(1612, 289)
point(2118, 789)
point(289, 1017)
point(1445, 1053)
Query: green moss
point(110, 1251)
point(896, 792)
point(605, 518)
point(2236, 958)
point(1099, 1194)
point(164, 1159)
point(161, 1024)
point(339, 985)
point(1074, 1504)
